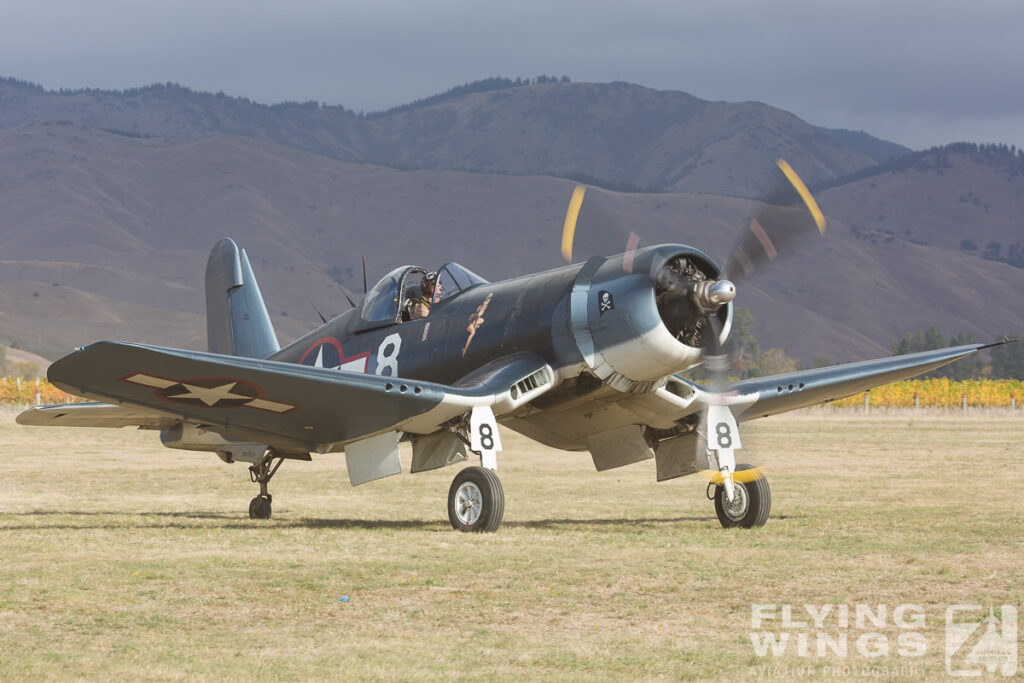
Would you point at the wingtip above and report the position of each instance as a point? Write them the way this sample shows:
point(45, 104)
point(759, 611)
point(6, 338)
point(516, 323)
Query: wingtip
point(999, 342)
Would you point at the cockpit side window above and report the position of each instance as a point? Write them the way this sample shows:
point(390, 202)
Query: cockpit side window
point(463, 277)
point(453, 278)
point(382, 301)
point(446, 286)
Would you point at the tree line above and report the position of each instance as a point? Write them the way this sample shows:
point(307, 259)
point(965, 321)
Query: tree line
point(1007, 158)
point(1004, 362)
point(483, 85)
point(749, 360)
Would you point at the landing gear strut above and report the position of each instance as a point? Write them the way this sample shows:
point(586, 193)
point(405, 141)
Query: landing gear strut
point(261, 473)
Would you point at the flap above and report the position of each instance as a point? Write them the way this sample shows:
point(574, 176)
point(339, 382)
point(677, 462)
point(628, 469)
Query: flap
point(373, 458)
point(618, 447)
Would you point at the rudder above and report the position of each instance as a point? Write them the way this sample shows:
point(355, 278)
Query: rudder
point(237, 322)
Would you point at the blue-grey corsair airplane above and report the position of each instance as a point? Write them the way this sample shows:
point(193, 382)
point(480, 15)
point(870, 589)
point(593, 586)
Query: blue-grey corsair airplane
point(586, 357)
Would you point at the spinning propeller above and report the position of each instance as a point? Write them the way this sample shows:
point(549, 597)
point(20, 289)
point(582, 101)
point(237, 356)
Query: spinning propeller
point(783, 219)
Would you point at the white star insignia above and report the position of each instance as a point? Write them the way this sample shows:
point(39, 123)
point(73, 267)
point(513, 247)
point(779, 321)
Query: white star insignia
point(211, 396)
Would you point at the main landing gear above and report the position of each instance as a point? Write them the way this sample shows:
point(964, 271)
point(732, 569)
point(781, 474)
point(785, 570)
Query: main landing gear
point(261, 473)
point(476, 501)
point(751, 502)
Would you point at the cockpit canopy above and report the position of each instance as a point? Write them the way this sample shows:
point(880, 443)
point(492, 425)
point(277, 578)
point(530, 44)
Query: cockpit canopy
point(384, 303)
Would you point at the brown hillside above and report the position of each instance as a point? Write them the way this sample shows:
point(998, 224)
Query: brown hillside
point(113, 232)
point(941, 198)
point(21, 363)
point(53, 320)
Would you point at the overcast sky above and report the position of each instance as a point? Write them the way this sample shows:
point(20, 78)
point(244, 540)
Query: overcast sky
point(919, 73)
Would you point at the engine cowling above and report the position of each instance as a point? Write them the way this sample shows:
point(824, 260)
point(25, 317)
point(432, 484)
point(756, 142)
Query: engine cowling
point(638, 319)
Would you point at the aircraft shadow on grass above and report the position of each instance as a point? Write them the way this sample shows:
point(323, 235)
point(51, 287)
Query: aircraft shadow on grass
point(313, 523)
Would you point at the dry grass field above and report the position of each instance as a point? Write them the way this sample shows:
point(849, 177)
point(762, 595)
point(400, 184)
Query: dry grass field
point(125, 561)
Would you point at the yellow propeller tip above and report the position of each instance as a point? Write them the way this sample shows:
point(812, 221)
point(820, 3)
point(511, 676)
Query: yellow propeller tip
point(571, 215)
point(741, 476)
point(805, 194)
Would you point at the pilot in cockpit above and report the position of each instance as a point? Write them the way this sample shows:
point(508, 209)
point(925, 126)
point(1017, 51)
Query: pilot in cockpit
point(418, 299)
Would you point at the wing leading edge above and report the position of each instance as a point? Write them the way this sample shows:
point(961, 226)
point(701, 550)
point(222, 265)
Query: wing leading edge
point(776, 394)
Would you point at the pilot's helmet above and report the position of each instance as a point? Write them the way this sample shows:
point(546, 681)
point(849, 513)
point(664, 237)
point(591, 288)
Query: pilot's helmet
point(429, 280)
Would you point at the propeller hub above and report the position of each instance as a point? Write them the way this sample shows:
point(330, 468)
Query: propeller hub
point(710, 295)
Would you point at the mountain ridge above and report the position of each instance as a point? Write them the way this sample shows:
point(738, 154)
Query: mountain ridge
point(621, 134)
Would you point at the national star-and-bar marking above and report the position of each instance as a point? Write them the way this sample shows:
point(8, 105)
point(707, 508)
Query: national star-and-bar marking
point(334, 358)
point(212, 392)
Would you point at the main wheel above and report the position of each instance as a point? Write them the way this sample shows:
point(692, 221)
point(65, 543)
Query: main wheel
point(259, 507)
point(476, 501)
point(750, 506)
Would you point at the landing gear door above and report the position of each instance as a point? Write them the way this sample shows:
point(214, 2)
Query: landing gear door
point(723, 433)
point(484, 437)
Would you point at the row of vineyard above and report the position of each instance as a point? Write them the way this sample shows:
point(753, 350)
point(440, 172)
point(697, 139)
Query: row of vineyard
point(929, 393)
point(18, 391)
point(941, 393)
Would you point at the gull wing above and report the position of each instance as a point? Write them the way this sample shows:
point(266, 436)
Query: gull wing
point(287, 406)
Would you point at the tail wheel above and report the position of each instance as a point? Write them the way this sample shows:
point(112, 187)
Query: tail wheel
point(750, 506)
point(476, 501)
point(259, 507)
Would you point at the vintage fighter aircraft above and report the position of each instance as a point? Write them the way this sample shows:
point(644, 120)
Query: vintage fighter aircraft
point(586, 357)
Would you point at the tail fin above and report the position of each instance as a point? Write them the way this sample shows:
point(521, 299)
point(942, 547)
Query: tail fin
point(237, 322)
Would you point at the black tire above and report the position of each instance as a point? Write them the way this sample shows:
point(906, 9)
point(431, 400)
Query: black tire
point(757, 498)
point(488, 499)
point(259, 508)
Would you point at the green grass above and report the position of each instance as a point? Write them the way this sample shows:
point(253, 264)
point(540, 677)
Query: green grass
point(125, 560)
